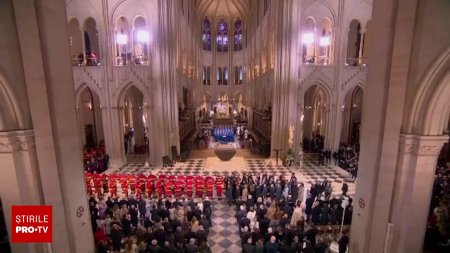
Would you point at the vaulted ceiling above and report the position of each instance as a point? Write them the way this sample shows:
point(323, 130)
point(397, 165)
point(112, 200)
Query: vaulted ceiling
point(228, 9)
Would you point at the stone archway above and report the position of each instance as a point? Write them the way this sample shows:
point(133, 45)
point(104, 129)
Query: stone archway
point(315, 116)
point(89, 114)
point(133, 123)
point(425, 132)
point(351, 118)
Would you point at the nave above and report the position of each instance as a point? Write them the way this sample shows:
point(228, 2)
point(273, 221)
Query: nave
point(224, 234)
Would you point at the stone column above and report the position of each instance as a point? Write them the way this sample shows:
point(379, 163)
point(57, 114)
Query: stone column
point(19, 180)
point(165, 98)
point(417, 162)
point(138, 125)
point(50, 91)
point(117, 156)
point(346, 117)
point(83, 44)
point(285, 74)
point(298, 140)
point(383, 111)
point(80, 124)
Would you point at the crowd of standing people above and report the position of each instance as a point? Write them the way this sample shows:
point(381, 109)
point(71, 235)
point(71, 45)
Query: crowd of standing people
point(95, 160)
point(273, 216)
point(144, 225)
point(438, 229)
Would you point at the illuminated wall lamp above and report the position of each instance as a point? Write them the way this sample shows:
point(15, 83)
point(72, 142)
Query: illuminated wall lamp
point(324, 41)
point(308, 38)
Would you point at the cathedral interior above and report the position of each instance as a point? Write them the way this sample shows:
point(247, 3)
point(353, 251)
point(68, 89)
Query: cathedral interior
point(149, 104)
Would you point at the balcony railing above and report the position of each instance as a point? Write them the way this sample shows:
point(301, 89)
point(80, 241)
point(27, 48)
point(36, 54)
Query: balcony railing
point(81, 61)
point(316, 60)
point(356, 61)
point(132, 59)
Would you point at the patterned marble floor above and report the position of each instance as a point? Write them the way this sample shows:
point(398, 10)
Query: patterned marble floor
point(308, 173)
point(224, 234)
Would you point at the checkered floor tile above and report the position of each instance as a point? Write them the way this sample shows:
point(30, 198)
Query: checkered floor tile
point(308, 173)
point(224, 235)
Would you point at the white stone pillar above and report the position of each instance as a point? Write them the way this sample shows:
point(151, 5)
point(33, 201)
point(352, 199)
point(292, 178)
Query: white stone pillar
point(417, 162)
point(80, 124)
point(19, 180)
point(138, 125)
point(50, 91)
point(117, 156)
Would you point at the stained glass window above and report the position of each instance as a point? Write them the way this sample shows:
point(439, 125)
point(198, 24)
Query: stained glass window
point(206, 34)
point(222, 37)
point(238, 35)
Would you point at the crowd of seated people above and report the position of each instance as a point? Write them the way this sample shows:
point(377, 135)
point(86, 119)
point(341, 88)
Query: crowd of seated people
point(438, 229)
point(273, 218)
point(163, 213)
point(95, 160)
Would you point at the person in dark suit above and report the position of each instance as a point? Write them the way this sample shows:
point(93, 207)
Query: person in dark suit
point(271, 246)
point(310, 234)
point(201, 235)
point(154, 247)
point(248, 247)
point(343, 243)
point(191, 247)
point(160, 236)
point(116, 237)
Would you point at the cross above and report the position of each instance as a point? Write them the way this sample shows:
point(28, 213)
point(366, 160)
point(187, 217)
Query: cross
point(277, 150)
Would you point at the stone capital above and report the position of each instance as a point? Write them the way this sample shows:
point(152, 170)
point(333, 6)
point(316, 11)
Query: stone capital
point(422, 145)
point(18, 140)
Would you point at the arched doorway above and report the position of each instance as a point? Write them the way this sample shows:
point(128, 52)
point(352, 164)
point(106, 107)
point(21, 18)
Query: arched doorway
point(11, 186)
point(90, 118)
point(425, 131)
point(133, 124)
point(141, 42)
point(325, 56)
point(351, 122)
point(122, 39)
point(315, 103)
point(308, 41)
point(354, 43)
point(76, 43)
point(91, 42)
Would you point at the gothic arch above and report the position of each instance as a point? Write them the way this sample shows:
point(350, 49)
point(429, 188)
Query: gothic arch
point(93, 88)
point(134, 9)
point(321, 84)
point(10, 114)
point(120, 92)
point(361, 84)
point(322, 8)
point(430, 107)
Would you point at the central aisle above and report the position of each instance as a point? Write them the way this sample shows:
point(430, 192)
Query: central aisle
point(224, 235)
